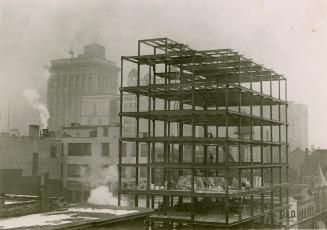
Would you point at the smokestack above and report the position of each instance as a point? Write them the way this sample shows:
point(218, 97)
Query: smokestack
point(44, 133)
point(34, 131)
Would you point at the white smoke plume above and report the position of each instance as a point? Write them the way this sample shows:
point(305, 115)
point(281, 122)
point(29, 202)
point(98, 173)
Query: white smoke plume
point(101, 195)
point(33, 98)
point(103, 180)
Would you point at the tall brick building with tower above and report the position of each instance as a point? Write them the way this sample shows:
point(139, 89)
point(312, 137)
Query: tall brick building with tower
point(88, 74)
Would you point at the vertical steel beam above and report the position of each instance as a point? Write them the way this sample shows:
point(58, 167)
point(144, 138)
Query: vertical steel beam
point(193, 144)
point(226, 150)
point(148, 168)
point(153, 157)
point(287, 166)
point(137, 126)
point(120, 129)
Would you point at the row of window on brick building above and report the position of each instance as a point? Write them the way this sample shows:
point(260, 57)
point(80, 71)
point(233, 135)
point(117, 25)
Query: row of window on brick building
point(82, 81)
point(84, 149)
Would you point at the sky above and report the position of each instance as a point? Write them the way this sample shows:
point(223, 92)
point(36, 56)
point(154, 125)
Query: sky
point(287, 35)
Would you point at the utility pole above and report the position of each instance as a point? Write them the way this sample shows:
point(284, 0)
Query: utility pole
point(8, 118)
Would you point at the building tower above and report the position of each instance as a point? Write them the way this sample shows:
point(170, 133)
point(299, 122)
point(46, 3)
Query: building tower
point(298, 130)
point(216, 140)
point(72, 78)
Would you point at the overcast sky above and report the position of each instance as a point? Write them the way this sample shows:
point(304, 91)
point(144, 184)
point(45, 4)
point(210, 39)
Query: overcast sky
point(288, 36)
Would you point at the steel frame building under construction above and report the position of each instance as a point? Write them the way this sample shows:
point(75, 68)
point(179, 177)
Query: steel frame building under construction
point(211, 138)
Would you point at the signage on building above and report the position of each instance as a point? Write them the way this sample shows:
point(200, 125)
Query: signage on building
point(290, 215)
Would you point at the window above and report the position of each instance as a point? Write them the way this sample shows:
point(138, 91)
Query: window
point(53, 151)
point(144, 150)
point(64, 83)
point(94, 109)
point(133, 149)
point(142, 172)
point(105, 149)
point(73, 170)
point(133, 172)
point(105, 131)
point(123, 172)
point(93, 133)
point(79, 149)
point(77, 170)
point(124, 149)
point(58, 82)
point(73, 185)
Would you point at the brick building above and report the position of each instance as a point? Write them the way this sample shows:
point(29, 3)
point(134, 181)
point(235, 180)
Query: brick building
point(25, 159)
point(87, 152)
point(72, 78)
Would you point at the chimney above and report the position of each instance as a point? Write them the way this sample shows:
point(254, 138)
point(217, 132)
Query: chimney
point(44, 133)
point(34, 131)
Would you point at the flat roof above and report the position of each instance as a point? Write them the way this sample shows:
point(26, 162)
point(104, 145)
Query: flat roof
point(89, 126)
point(76, 216)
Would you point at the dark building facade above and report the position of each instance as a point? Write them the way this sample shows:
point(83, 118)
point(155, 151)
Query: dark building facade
point(25, 159)
point(216, 138)
point(72, 78)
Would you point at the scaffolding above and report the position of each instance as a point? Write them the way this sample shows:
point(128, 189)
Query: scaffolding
point(210, 144)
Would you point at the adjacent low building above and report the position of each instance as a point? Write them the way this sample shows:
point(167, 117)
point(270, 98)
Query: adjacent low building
point(25, 158)
point(88, 153)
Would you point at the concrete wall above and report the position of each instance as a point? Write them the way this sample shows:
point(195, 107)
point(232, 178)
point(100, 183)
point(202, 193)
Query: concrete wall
point(17, 153)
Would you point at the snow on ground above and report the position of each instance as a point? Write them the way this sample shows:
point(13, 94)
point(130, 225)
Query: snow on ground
point(17, 201)
point(25, 196)
point(102, 210)
point(41, 220)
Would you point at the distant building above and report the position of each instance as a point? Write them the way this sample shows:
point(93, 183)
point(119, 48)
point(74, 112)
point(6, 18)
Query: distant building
point(88, 151)
point(301, 212)
point(130, 105)
point(100, 110)
point(25, 159)
point(312, 163)
point(298, 126)
point(72, 78)
point(308, 206)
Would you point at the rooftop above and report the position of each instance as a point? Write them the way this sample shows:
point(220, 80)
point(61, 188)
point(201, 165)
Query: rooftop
point(81, 216)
